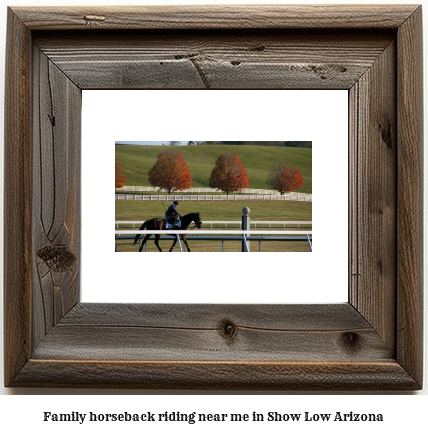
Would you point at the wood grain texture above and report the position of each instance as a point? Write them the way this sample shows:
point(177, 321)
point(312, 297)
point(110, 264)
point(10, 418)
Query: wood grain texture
point(385, 375)
point(373, 179)
point(410, 196)
point(199, 332)
point(372, 342)
point(217, 17)
point(17, 199)
point(210, 316)
point(216, 60)
point(55, 193)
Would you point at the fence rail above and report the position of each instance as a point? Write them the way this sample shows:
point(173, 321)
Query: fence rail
point(254, 223)
point(307, 239)
point(295, 197)
point(244, 236)
point(199, 190)
point(212, 232)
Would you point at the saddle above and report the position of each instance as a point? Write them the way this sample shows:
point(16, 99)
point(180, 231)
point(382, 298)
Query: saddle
point(170, 223)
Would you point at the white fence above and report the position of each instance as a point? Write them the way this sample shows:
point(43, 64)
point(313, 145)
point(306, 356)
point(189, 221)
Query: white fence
point(254, 223)
point(200, 190)
point(214, 232)
point(296, 197)
point(224, 235)
point(211, 232)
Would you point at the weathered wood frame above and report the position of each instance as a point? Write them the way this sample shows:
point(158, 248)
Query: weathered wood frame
point(372, 342)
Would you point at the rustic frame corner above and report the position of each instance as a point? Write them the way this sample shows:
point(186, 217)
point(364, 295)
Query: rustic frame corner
point(372, 342)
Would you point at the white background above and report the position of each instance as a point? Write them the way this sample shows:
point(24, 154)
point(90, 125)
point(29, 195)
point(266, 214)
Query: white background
point(404, 413)
point(305, 277)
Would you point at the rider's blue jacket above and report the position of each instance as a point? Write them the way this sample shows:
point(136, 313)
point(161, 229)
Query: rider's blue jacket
point(172, 211)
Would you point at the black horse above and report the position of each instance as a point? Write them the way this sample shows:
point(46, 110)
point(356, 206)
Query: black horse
point(160, 225)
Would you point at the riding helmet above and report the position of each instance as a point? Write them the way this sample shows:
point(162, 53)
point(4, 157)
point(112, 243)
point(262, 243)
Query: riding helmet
point(175, 202)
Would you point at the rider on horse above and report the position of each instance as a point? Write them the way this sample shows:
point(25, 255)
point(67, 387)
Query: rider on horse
point(172, 215)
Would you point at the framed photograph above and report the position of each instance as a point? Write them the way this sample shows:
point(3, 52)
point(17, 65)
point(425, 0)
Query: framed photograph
point(188, 185)
point(372, 340)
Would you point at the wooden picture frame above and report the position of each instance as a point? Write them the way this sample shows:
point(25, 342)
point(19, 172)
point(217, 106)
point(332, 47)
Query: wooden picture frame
point(372, 342)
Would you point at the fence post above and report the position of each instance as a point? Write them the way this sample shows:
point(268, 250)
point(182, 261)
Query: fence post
point(245, 227)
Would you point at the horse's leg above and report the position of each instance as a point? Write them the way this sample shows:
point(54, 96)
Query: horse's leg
point(157, 237)
point(183, 237)
point(144, 242)
point(173, 244)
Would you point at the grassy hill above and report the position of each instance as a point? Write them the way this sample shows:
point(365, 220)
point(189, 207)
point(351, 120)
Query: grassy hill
point(258, 160)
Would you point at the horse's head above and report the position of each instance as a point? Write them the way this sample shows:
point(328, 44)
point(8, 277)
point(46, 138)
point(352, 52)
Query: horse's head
point(198, 220)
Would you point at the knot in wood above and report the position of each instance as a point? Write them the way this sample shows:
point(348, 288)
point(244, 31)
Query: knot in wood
point(228, 330)
point(58, 259)
point(351, 340)
point(386, 134)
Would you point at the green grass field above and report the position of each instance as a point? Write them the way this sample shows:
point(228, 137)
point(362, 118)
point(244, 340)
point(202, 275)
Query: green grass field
point(259, 210)
point(258, 160)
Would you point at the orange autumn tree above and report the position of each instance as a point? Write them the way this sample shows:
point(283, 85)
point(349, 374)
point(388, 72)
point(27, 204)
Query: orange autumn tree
point(170, 172)
point(229, 174)
point(120, 178)
point(285, 178)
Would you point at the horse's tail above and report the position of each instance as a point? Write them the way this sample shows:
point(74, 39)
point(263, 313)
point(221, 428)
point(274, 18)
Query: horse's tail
point(137, 237)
